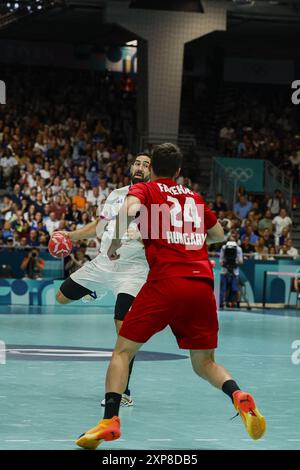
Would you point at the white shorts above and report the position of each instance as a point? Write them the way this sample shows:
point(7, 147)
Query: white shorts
point(102, 275)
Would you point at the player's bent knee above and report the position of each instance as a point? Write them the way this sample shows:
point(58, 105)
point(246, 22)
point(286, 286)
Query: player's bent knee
point(61, 299)
point(199, 369)
point(201, 361)
point(123, 355)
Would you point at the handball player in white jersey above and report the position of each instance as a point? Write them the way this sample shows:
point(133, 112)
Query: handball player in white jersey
point(123, 276)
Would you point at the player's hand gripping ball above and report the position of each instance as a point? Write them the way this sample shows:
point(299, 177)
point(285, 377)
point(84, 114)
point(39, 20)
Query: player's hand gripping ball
point(59, 245)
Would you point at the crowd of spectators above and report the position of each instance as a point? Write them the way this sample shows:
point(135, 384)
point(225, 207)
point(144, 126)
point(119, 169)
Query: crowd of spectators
point(261, 226)
point(263, 124)
point(64, 146)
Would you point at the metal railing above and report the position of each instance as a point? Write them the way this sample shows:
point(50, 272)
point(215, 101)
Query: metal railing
point(220, 182)
point(274, 178)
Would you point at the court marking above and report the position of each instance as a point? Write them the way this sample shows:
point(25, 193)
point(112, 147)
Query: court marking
point(151, 440)
point(17, 440)
point(208, 440)
point(251, 440)
point(212, 443)
point(61, 440)
point(160, 440)
point(73, 353)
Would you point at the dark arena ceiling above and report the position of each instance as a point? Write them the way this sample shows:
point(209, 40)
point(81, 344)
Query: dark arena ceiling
point(67, 22)
point(83, 21)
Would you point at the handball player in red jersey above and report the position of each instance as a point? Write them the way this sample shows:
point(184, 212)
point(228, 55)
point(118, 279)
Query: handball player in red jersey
point(176, 226)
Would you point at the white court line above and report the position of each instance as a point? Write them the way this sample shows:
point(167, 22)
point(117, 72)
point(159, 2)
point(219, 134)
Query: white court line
point(208, 440)
point(60, 440)
point(159, 439)
point(289, 380)
point(17, 440)
point(294, 440)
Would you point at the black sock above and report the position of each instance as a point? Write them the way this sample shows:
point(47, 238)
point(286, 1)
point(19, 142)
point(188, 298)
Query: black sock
point(112, 404)
point(229, 387)
point(127, 391)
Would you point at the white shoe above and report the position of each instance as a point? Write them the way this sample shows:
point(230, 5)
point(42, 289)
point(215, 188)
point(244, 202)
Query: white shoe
point(89, 298)
point(126, 401)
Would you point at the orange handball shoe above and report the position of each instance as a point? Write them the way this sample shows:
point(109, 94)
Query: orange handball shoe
point(254, 422)
point(106, 430)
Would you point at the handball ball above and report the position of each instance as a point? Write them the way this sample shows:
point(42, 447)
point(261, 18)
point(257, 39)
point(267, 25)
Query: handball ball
point(212, 262)
point(59, 246)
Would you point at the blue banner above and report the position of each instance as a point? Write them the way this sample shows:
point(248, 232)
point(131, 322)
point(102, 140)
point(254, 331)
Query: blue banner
point(54, 268)
point(246, 172)
point(278, 288)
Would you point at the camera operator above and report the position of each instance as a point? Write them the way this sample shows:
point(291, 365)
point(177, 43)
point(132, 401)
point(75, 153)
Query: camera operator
point(231, 256)
point(33, 265)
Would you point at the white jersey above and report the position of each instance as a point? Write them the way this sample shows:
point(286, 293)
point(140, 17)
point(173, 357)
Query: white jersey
point(131, 251)
point(124, 275)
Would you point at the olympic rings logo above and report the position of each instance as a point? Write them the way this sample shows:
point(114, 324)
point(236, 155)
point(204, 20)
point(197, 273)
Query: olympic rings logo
point(241, 174)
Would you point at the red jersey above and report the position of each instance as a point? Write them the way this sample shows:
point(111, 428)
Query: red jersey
point(176, 221)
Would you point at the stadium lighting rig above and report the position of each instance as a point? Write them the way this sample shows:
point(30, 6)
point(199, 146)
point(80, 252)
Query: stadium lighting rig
point(11, 11)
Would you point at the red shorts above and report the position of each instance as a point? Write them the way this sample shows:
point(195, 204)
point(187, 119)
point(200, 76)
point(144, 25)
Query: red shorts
point(187, 305)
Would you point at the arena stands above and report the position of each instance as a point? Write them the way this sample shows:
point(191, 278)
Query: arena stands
point(64, 138)
point(260, 225)
point(259, 123)
point(64, 145)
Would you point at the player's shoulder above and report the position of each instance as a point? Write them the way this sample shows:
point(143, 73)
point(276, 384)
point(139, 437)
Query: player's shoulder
point(137, 187)
point(118, 193)
point(182, 189)
point(198, 197)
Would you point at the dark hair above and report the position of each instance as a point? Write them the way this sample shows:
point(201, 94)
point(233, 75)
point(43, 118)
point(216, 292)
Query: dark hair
point(166, 159)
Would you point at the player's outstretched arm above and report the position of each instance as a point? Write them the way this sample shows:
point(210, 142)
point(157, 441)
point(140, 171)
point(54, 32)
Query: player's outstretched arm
point(215, 234)
point(89, 231)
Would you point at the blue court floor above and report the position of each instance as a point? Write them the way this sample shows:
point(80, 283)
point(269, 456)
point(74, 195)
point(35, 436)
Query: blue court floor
point(53, 381)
